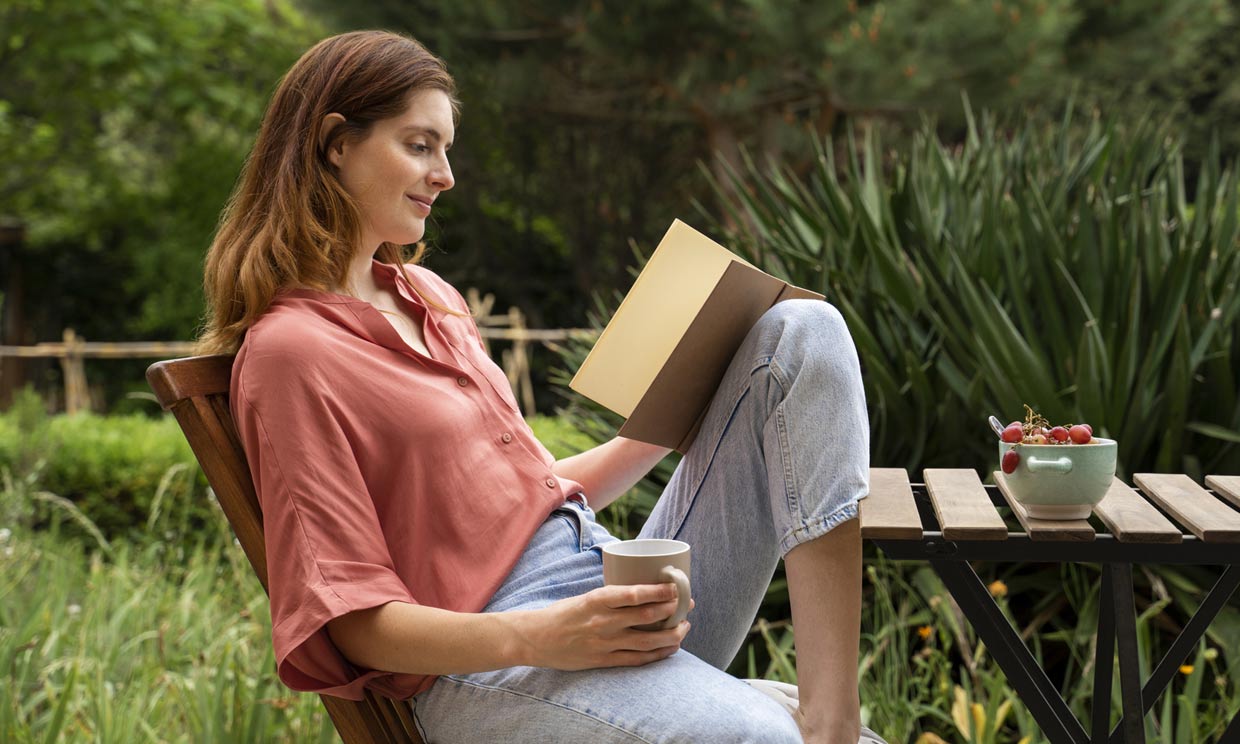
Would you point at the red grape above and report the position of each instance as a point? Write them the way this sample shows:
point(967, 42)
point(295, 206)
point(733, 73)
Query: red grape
point(1080, 434)
point(1011, 459)
point(1059, 434)
point(1012, 434)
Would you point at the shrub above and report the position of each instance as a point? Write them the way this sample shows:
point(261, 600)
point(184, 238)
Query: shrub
point(131, 476)
point(125, 474)
point(1056, 263)
point(558, 435)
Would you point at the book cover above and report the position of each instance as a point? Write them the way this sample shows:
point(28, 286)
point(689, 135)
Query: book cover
point(664, 352)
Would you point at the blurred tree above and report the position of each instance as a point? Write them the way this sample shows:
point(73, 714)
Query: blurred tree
point(123, 125)
point(584, 120)
point(1181, 64)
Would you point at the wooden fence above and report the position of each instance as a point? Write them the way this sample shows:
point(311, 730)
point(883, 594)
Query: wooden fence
point(73, 351)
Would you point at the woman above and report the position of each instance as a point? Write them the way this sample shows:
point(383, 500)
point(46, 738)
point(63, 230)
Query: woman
point(421, 542)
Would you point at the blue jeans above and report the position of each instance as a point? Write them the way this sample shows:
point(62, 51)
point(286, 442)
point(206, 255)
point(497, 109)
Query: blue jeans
point(782, 457)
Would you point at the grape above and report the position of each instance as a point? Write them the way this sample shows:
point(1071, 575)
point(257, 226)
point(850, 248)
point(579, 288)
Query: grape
point(1059, 434)
point(1012, 434)
point(1080, 434)
point(1011, 459)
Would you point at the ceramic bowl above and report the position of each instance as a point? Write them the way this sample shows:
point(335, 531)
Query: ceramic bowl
point(1061, 481)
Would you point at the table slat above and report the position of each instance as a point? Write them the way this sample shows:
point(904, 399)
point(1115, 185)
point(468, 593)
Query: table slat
point(1133, 519)
point(1208, 518)
point(1227, 486)
point(963, 506)
point(889, 512)
point(1074, 530)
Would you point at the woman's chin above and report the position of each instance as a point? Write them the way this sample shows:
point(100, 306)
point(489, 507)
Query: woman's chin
point(406, 237)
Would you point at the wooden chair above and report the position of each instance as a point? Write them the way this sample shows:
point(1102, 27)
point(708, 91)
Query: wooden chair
point(196, 391)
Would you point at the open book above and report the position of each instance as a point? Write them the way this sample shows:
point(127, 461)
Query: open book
point(663, 354)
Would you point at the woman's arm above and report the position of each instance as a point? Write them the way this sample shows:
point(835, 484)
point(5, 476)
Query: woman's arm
point(610, 469)
point(583, 632)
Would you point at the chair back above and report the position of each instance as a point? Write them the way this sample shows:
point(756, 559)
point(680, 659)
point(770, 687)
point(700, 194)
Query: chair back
point(195, 390)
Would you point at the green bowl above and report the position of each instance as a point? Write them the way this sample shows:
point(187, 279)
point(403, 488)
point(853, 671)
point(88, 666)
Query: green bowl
point(1061, 481)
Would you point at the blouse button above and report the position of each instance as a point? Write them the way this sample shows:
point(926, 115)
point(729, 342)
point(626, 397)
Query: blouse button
point(550, 482)
point(462, 381)
point(507, 437)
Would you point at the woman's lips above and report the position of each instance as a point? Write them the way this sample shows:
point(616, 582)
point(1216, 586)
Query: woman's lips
point(423, 203)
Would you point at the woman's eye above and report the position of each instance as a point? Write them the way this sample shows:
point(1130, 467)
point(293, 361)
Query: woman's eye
point(420, 148)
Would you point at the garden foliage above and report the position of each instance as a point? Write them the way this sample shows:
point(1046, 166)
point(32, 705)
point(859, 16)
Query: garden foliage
point(1074, 265)
point(1070, 264)
point(131, 476)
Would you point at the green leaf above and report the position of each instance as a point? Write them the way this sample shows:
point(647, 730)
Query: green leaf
point(1214, 431)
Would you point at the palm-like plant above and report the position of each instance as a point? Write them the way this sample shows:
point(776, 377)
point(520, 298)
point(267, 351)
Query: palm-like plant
point(1059, 264)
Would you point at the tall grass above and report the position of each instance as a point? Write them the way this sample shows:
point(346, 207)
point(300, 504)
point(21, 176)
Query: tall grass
point(139, 645)
point(163, 635)
point(163, 643)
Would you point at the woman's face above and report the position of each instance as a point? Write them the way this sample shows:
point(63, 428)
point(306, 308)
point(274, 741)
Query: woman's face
point(398, 170)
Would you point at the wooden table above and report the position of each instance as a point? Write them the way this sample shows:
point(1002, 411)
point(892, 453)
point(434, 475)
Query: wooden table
point(953, 519)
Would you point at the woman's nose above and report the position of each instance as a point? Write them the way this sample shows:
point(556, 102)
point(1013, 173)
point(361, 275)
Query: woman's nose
point(441, 176)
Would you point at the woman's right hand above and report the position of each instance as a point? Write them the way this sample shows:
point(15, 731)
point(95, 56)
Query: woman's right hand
point(595, 629)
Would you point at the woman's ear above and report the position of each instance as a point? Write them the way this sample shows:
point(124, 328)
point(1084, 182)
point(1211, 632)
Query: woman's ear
point(330, 122)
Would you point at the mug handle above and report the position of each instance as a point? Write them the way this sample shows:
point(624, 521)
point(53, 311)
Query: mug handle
point(1039, 465)
point(673, 574)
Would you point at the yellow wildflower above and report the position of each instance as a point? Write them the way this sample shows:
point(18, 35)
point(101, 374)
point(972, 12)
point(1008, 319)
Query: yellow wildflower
point(979, 719)
point(960, 706)
point(1186, 669)
point(997, 589)
point(925, 632)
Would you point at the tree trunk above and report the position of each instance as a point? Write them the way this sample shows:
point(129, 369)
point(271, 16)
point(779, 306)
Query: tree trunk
point(12, 311)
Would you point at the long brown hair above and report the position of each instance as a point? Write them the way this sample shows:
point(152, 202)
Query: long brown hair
point(289, 220)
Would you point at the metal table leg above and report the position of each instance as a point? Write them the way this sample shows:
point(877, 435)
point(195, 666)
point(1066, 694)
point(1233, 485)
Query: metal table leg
point(1132, 726)
point(1232, 734)
point(1184, 644)
point(1104, 659)
point(1022, 670)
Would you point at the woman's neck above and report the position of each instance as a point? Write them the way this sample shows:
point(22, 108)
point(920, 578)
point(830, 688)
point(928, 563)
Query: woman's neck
point(360, 281)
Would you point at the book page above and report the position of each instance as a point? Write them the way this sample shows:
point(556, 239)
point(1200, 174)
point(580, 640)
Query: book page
point(653, 317)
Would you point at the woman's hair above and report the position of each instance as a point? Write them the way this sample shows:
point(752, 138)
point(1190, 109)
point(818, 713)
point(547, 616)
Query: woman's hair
point(289, 220)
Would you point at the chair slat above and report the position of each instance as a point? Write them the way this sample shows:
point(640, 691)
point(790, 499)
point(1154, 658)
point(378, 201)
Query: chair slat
point(361, 722)
point(1207, 517)
point(393, 714)
point(209, 428)
point(1131, 518)
point(1227, 486)
point(962, 505)
point(889, 512)
point(181, 379)
point(195, 390)
point(1075, 530)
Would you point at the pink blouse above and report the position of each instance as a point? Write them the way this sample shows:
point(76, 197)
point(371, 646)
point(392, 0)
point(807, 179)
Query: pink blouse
point(383, 475)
